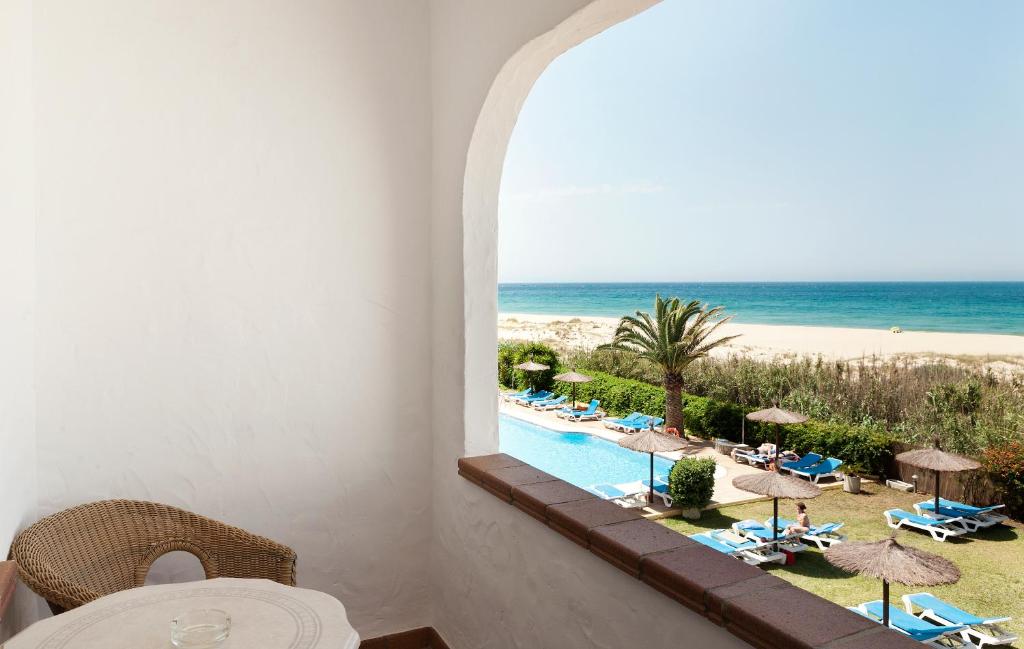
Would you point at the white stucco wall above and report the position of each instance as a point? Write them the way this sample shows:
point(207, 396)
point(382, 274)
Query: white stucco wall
point(17, 233)
point(240, 245)
point(233, 284)
point(501, 579)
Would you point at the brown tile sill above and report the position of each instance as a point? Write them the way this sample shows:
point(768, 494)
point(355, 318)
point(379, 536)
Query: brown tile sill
point(761, 609)
point(423, 638)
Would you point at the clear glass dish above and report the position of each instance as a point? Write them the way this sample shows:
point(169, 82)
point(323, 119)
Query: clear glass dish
point(203, 628)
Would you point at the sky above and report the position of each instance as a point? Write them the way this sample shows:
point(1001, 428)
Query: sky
point(775, 140)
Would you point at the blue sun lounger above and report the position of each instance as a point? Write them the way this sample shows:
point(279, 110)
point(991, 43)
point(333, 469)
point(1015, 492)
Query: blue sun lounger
point(821, 535)
point(642, 423)
point(915, 627)
point(548, 404)
point(744, 552)
point(616, 422)
point(824, 469)
point(509, 396)
point(981, 631)
point(660, 490)
point(940, 530)
point(580, 415)
point(537, 396)
point(969, 517)
point(805, 462)
point(761, 533)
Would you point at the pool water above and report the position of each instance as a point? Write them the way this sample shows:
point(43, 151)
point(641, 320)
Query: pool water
point(579, 458)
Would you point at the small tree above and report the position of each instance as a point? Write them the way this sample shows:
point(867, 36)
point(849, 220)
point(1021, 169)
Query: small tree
point(691, 482)
point(677, 335)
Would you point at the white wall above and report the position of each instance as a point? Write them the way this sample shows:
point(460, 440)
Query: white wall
point(17, 233)
point(500, 578)
point(255, 297)
point(233, 284)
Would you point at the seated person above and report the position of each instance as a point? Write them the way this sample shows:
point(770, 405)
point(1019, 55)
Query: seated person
point(802, 524)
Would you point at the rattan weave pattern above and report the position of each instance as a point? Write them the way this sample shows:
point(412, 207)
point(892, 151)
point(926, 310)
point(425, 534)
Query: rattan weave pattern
point(79, 554)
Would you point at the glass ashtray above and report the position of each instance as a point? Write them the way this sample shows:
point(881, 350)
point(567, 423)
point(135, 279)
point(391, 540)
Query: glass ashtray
point(203, 628)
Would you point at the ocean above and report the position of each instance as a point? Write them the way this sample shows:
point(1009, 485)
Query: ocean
point(979, 307)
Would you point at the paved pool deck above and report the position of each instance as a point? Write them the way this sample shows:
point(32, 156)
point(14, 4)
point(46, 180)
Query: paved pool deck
point(724, 494)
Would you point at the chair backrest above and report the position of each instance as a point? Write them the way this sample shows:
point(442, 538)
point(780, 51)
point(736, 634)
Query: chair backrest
point(828, 465)
point(77, 555)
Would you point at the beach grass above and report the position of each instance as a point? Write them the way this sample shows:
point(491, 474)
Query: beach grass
point(990, 561)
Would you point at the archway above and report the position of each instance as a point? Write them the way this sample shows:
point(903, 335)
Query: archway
point(484, 163)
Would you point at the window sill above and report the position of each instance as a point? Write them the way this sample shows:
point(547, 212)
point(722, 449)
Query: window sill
point(759, 608)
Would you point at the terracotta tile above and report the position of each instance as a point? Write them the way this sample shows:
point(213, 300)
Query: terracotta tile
point(625, 544)
point(686, 574)
point(501, 481)
point(414, 639)
point(474, 468)
point(374, 643)
point(791, 618)
point(575, 520)
point(877, 638)
point(535, 498)
point(715, 598)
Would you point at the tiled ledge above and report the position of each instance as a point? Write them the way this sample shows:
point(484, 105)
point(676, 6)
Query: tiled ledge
point(763, 610)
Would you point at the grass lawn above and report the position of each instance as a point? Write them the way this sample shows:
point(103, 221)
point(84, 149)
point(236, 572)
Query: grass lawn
point(991, 561)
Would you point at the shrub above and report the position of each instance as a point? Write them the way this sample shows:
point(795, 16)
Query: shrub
point(622, 396)
point(1005, 467)
point(867, 447)
point(692, 482)
point(511, 354)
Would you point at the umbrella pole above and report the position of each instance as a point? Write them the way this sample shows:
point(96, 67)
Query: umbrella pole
point(885, 603)
point(651, 496)
point(938, 477)
point(573, 396)
point(775, 521)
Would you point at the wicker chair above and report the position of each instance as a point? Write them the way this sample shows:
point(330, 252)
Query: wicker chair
point(82, 553)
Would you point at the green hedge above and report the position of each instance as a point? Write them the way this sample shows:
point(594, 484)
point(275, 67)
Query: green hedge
point(692, 482)
point(511, 354)
point(868, 447)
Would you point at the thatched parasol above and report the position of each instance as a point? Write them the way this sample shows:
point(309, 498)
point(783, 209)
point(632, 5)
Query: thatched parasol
point(776, 485)
point(573, 377)
point(651, 441)
point(889, 561)
point(937, 460)
point(778, 417)
point(531, 366)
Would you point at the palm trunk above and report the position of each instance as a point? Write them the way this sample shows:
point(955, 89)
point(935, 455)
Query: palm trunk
point(674, 402)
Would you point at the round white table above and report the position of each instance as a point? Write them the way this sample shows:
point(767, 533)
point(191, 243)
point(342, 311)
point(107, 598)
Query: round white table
point(264, 615)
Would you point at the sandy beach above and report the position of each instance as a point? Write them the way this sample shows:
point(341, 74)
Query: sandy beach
point(1001, 352)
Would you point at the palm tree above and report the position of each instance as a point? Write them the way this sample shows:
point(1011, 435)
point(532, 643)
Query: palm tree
point(677, 335)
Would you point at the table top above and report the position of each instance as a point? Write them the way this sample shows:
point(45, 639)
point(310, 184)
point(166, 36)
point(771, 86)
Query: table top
point(264, 615)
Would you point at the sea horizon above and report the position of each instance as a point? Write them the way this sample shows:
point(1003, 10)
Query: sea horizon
point(992, 307)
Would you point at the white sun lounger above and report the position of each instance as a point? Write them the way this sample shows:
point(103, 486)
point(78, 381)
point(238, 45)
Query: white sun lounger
point(980, 631)
point(820, 535)
point(764, 552)
point(940, 530)
point(970, 518)
point(745, 552)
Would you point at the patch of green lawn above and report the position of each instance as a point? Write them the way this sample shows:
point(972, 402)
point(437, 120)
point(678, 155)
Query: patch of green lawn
point(991, 561)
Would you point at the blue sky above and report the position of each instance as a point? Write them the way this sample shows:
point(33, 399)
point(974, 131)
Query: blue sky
point(775, 140)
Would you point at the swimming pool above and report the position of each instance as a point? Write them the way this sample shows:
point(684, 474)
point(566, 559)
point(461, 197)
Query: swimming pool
point(579, 458)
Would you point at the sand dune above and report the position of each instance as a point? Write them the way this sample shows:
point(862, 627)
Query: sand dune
point(773, 341)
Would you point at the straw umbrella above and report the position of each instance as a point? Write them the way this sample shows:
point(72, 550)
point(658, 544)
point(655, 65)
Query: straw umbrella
point(777, 417)
point(937, 460)
point(573, 377)
point(651, 441)
point(889, 561)
point(776, 485)
point(531, 366)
